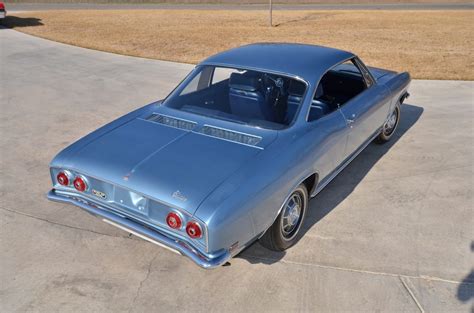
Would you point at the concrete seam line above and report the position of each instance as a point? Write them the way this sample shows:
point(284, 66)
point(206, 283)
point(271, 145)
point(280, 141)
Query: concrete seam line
point(337, 268)
point(59, 224)
point(412, 295)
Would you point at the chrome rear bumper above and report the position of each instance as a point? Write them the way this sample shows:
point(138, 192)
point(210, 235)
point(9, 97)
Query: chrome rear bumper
point(144, 232)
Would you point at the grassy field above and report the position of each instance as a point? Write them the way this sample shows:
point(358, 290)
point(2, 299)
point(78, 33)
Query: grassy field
point(428, 44)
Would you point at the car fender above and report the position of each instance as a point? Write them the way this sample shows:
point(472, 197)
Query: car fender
point(300, 181)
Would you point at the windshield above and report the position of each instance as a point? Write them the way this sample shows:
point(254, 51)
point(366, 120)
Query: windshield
point(242, 96)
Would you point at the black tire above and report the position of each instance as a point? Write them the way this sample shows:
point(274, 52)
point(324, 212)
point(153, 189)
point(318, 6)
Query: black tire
point(388, 129)
point(280, 236)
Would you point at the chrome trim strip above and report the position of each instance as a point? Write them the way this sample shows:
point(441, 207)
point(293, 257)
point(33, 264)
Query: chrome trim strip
point(157, 115)
point(232, 131)
point(129, 225)
point(228, 140)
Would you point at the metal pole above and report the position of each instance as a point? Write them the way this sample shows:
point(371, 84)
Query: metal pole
point(271, 11)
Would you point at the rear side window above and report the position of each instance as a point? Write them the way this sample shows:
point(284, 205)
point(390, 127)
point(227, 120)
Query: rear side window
point(222, 73)
point(199, 82)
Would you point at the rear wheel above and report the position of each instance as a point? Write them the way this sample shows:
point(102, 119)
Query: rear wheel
point(285, 231)
point(390, 126)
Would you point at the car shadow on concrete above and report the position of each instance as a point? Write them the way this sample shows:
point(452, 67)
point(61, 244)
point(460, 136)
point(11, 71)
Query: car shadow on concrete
point(11, 21)
point(466, 287)
point(340, 188)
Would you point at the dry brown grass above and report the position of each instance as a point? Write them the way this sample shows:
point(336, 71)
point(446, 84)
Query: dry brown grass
point(428, 44)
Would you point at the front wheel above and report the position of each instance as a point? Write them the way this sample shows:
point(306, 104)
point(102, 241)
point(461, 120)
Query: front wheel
point(390, 125)
point(285, 231)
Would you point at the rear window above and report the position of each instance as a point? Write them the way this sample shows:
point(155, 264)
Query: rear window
point(243, 96)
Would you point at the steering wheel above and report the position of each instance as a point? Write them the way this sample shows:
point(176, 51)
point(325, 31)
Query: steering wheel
point(278, 82)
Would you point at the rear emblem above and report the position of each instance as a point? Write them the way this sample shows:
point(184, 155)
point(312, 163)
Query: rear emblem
point(178, 195)
point(99, 194)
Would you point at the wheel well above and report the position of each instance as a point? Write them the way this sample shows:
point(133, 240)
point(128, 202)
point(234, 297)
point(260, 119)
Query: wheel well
point(310, 183)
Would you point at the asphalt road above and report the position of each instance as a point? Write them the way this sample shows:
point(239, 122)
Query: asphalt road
point(143, 6)
point(393, 232)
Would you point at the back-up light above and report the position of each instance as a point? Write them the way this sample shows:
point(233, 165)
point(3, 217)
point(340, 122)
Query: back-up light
point(173, 220)
point(63, 179)
point(80, 184)
point(193, 230)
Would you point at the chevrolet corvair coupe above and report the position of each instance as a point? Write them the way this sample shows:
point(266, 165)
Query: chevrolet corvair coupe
point(235, 152)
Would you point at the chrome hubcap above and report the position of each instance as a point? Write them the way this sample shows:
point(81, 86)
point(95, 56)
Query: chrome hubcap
point(291, 215)
point(390, 124)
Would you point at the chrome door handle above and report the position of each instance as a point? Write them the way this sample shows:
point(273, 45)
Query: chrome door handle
point(351, 120)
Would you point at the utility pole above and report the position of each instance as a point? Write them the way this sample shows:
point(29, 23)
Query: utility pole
point(271, 13)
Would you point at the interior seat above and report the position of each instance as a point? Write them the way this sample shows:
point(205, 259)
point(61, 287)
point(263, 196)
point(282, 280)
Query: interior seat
point(318, 108)
point(246, 100)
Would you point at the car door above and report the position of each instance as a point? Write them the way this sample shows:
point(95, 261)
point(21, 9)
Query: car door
point(364, 113)
point(329, 136)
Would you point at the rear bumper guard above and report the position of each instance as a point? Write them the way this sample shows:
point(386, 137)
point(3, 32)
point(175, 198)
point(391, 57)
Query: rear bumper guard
point(139, 230)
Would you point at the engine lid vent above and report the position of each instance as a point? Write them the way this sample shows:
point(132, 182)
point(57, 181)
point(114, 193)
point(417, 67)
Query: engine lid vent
point(171, 121)
point(230, 135)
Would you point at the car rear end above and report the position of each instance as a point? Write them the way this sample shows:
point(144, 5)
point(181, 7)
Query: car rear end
point(147, 218)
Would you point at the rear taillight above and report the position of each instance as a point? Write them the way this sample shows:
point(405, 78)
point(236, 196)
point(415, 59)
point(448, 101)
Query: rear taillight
point(80, 184)
point(63, 179)
point(173, 220)
point(2, 6)
point(193, 230)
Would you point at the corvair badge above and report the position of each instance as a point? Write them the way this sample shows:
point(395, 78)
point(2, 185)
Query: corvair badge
point(178, 195)
point(99, 194)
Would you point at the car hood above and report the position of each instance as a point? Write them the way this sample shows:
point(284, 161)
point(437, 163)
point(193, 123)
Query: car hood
point(171, 165)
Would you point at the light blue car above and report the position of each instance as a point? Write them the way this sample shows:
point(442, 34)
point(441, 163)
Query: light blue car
point(235, 152)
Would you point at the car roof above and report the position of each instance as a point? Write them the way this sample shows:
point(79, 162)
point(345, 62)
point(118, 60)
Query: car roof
point(308, 62)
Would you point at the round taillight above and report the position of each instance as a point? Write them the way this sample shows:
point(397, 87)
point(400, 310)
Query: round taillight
point(173, 220)
point(193, 230)
point(80, 184)
point(63, 179)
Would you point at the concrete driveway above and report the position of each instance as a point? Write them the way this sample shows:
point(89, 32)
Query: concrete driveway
point(394, 231)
